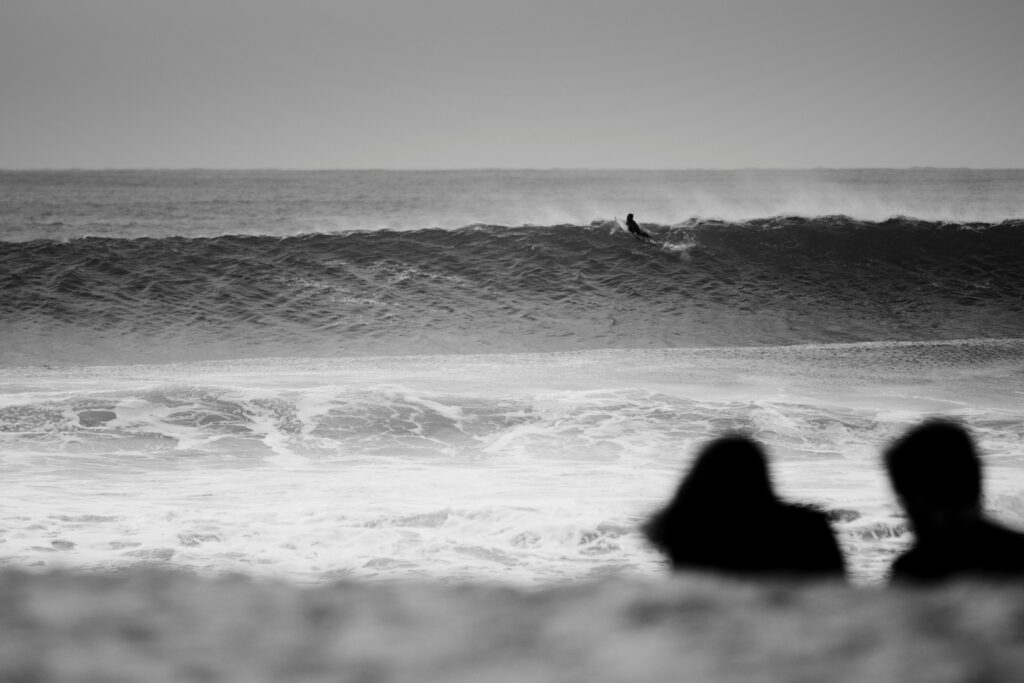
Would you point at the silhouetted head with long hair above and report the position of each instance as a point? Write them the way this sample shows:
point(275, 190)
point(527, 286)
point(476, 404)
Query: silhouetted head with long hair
point(729, 472)
point(936, 472)
point(727, 481)
point(725, 516)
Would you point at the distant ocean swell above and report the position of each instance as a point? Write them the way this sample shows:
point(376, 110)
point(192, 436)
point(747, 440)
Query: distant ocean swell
point(482, 289)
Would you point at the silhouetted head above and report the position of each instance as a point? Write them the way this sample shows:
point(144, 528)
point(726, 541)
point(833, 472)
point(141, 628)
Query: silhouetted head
point(629, 216)
point(726, 488)
point(935, 469)
point(725, 517)
point(732, 472)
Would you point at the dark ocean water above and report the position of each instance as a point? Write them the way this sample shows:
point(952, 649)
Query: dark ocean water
point(786, 280)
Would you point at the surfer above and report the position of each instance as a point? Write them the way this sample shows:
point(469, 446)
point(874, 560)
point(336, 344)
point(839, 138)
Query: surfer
point(636, 229)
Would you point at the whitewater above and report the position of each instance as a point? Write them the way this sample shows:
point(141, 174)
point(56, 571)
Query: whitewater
point(476, 375)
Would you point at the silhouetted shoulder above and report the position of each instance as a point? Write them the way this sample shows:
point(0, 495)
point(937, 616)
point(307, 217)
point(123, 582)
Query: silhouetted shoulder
point(936, 472)
point(980, 549)
point(812, 548)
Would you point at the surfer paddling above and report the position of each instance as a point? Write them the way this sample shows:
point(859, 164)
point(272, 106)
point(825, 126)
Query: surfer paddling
point(636, 229)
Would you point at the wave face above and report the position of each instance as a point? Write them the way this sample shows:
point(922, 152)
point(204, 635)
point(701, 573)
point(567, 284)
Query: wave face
point(783, 280)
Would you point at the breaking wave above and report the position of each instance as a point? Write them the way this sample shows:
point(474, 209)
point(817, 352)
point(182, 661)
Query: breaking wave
point(487, 288)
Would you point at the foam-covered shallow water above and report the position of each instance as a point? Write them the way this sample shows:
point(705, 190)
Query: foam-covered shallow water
point(529, 468)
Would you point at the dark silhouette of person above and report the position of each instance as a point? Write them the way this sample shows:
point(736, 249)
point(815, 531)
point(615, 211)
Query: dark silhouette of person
point(936, 473)
point(637, 231)
point(726, 517)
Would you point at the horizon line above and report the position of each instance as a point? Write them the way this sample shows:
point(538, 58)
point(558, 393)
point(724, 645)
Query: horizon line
point(425, 169)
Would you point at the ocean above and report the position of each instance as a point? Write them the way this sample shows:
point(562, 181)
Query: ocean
point(477, 375)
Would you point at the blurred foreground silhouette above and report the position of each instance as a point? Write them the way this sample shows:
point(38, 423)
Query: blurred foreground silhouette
point(936, 473)
point(726, 517)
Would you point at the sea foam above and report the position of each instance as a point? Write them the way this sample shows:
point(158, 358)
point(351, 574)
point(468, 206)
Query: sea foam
point(530, 467)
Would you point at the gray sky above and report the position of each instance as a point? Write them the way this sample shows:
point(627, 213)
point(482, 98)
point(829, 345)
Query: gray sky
point(516, 83)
